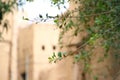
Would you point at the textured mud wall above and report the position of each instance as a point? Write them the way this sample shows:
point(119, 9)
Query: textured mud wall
point(4, 61)
point(5, 46)
point(108, 69)
point(25, 52)
point(43, 42)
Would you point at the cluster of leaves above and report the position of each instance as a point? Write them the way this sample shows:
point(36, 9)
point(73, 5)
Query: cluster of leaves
point(59, 56)
point(41, 18)
point(58, 2)
point(101, 21)
point(6, 7)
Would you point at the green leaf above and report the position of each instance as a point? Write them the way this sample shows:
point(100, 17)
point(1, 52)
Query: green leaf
point(101, 59)
point(40, 16)
point(25, 18)
point(95, 78)
point(77, 58)
point(59, 54)
point(98, 21)
point(50, 59)
point(54, 54)
point(56, 21)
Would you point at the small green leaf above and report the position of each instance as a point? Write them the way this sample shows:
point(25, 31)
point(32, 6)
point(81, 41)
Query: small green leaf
point(101, 59)
point(54, 54)
point(95, 77)
point(56, 21)
point(50, 59)
point(59, 54)
point(77, 58)
point(40, 16)
point(47, 15)
point(25, 18)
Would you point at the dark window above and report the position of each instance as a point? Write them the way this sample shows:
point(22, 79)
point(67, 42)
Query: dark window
point(43, 47)
point(54, 47)
point(23, 75)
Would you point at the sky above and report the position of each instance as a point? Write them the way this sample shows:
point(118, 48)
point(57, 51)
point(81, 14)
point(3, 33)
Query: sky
point(33, 9)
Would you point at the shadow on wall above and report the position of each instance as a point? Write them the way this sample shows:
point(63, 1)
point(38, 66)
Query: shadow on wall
point(52, 74)
point(44, 75)
point(23, 75)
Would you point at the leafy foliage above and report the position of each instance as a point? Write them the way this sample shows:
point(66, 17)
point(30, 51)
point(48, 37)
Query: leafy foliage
point(100, 20)
point(7, 7)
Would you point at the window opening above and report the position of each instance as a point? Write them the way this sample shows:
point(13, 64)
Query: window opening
point(43, 47)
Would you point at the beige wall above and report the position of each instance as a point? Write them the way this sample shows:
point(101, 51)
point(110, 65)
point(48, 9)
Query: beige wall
point(36, 36)
point(8, 45)
point(18, 23)
point(5, 47)
point(25, 48)
point(4, 60)
point(44, 35)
